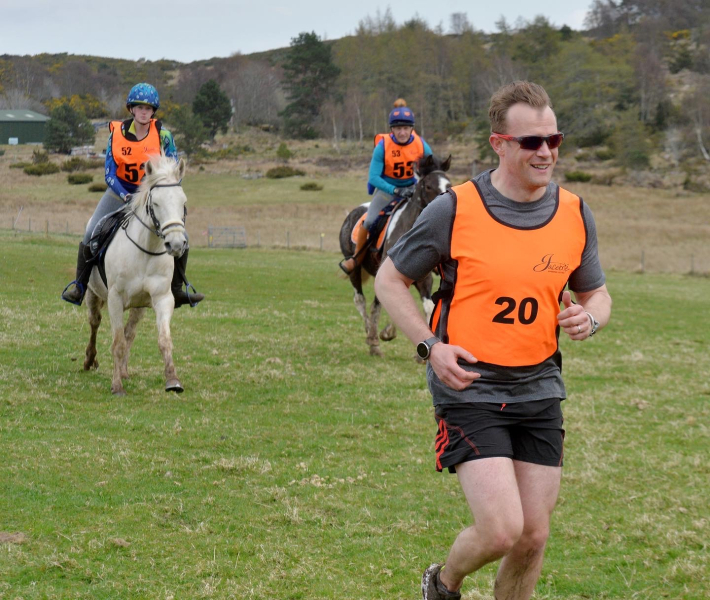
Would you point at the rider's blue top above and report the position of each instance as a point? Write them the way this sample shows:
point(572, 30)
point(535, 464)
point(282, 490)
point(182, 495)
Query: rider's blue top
point(119, 186)
point(377, 180)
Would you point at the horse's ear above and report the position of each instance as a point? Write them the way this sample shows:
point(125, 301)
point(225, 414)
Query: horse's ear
point(181, 168)
point(424, 165)
point(149, 167)
point(446, 164)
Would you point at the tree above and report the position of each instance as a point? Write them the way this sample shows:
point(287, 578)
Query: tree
point(66, 128)
point(190, 132)
point(213, 108)
point(309, 76)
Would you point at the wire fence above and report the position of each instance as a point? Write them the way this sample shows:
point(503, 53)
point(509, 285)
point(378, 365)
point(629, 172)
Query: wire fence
point(651, 259)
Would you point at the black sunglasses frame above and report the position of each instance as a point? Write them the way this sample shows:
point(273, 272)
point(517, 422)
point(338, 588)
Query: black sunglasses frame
point(534, 142)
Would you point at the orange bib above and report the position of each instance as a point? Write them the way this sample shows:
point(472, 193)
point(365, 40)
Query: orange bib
point(131, 156)
point(509, 281)
point(399, 160)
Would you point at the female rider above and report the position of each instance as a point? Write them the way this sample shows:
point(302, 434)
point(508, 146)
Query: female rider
point(391, 172)
point(130, 144)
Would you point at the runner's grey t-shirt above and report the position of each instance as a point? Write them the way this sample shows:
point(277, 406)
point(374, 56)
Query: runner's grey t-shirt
point(428, 244)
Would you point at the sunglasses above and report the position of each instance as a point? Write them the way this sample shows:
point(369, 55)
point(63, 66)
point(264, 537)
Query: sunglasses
point(534, 142)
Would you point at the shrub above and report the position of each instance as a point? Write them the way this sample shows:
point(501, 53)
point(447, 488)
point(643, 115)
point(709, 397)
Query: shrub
point(20, 165)
point(578, 176)
point(79, 178)
point(604, 154)
point(80, 164)
point(39, 157)
point(2, 153)
point(283, 152)
point(98, 187)
point(281, 172)
point(41, 169)
point(311, 186)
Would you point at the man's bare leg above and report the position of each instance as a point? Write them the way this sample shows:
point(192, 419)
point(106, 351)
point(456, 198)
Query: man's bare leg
point(520, 568)
point(491, 490)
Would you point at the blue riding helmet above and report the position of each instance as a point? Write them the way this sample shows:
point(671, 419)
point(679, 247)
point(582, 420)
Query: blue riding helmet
point(401, 115)
point(143, 93)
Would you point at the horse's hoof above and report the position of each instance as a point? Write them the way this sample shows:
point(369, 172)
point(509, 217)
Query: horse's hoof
point(174, 386)
point(375, 351)
point(120, 392)
point(388, 333)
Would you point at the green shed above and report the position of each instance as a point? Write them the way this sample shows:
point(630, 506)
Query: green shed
point(25, 126)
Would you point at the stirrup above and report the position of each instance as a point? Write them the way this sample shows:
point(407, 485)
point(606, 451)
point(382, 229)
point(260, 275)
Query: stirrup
point(342, 266)
point(188, 287)
point(82, 290)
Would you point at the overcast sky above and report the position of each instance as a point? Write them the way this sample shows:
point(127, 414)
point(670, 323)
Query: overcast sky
point(187, 30)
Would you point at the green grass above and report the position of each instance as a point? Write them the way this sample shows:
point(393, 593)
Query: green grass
point(295, 466)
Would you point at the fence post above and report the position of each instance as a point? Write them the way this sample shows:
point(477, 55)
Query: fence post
point(46, 228)
point(692, 264)
point(322, 235)
point(258, 239)
point(29, 226)
point(288, 239)
point(643, 261)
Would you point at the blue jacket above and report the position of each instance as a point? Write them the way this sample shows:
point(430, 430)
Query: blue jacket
point(376, 180)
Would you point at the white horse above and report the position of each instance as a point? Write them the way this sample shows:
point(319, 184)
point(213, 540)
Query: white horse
point(139, 268)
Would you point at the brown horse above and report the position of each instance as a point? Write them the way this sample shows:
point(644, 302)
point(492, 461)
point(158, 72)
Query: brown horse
point(432, 181)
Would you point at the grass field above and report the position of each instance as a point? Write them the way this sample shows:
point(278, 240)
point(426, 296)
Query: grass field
point(296, 466)
point(655, 230)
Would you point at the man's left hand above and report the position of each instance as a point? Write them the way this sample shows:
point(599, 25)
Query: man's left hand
point(573, 320)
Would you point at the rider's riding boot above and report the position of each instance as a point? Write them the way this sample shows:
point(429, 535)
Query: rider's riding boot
point(181, 296)
point(75, 295)
point(350, 264)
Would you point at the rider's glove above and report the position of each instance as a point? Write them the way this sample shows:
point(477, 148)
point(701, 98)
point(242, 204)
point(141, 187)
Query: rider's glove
point(127, 198)
point(404, 192)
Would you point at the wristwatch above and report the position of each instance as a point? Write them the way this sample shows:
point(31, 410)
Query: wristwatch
point(593, 323)
point(424, 348)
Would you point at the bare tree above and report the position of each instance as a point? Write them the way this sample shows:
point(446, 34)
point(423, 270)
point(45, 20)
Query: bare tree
point(255, 91)
point(14, 99)
point(76, 77)
point(459, 24)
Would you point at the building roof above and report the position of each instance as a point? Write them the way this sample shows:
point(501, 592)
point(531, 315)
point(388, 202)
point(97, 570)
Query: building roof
point(21, 115)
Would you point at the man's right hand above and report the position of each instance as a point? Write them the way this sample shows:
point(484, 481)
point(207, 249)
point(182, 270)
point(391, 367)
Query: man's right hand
point(444, 361)
point(404, 192)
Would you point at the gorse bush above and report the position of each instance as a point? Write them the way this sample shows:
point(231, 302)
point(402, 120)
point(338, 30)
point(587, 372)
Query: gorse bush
point(283, 152)
point(604, 154)
point(80, 164)
point(98, 187)
point(311, 186)
point(578, 176)
point(281, 172)
point(79, 178)
point(41, 169)
point(20, 165)
point(39, 157)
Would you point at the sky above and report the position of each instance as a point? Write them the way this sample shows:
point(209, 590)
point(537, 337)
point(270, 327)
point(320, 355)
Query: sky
point(189, 30)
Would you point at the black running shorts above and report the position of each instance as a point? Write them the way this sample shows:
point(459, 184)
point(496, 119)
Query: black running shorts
point(526, 431)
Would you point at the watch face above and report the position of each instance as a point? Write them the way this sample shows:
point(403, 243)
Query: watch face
point(423, 350)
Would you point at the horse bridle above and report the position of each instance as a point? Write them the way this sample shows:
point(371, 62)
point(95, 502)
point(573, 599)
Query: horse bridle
point(157, 229)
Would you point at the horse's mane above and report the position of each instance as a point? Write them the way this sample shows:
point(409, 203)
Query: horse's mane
point(165, 169)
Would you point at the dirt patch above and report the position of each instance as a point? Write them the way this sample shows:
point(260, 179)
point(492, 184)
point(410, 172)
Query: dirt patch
point(12, 538)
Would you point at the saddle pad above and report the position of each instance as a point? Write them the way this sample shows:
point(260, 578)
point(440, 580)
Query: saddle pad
point(104, 231)
point(383, 223)
point(380, 238)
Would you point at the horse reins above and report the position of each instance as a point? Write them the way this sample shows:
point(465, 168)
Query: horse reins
point(157, 229)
